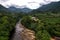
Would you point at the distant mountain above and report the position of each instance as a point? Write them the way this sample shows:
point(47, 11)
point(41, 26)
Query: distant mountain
point(14, 9)
point(2, 8)
point(53, 6)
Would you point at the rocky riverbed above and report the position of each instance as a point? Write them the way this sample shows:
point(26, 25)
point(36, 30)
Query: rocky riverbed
point(22, 33)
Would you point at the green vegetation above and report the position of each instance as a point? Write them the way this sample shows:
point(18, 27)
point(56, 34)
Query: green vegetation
point(45, 24)
point(7, 24)
point(36, 25)
point(45, 27)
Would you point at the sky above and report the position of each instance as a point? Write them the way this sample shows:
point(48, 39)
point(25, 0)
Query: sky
point(32, 4)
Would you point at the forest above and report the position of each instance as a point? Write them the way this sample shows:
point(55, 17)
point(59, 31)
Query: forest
point(47, 26)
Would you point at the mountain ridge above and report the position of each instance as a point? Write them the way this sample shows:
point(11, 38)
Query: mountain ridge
point(53, 6)
point(14, 9)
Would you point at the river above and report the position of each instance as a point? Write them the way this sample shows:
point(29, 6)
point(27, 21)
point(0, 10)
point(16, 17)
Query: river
point(22, 33)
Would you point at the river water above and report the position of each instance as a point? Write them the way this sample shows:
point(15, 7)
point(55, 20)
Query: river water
point(18, 29)
point(22, 33)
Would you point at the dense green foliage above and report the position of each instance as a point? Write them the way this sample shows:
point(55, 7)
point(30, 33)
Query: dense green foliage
point(7, 24)
point(36, 25)
point(51, 22)
point(46, 27)
point(47, 24)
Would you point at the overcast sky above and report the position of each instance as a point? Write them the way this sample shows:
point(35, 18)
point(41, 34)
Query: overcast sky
point(32, 4)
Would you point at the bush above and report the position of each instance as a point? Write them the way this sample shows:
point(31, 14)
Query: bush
point(42, 35)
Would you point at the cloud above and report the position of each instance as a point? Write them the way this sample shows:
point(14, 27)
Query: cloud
point(51, 0)
point(33, 4)
point(3, 1)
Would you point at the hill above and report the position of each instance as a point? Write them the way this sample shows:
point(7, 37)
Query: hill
point(52, 7)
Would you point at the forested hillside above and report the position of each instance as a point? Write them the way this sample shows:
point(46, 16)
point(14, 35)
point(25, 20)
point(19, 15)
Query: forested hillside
point(7, 24)
point(50, 23)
